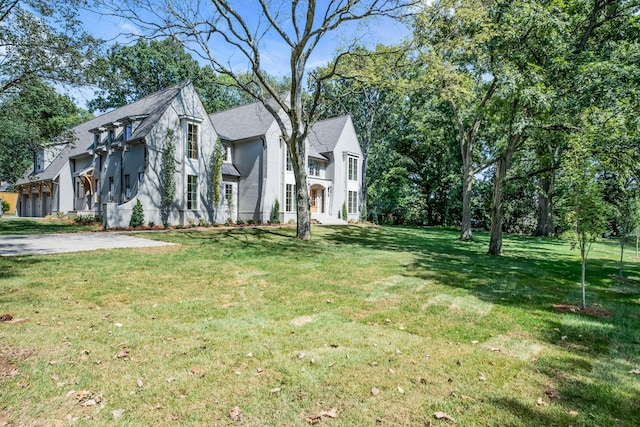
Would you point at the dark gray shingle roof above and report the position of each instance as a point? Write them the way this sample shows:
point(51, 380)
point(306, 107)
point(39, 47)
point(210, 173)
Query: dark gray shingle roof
point(229, 169)
point(324, 135)
point(243, 122)
point(152, 106)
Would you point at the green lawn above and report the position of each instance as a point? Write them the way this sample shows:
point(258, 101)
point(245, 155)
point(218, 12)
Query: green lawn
point(15, 225)
point(385, 325)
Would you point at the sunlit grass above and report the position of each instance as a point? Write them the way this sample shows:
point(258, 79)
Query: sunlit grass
point(286, 329)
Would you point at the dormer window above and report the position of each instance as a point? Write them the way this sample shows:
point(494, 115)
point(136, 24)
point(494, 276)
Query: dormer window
point(96, 140)
point(39, 161)
point(127, 131)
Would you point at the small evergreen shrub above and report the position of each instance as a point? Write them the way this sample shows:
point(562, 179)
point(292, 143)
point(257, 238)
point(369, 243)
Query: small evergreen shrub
point(275, 213)
point(137, 216)
point(344, 211)
point(5, 206)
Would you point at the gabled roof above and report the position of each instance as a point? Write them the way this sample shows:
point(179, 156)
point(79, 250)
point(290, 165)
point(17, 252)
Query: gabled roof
point(149, 108)
point(247, 121)
point(324, 135)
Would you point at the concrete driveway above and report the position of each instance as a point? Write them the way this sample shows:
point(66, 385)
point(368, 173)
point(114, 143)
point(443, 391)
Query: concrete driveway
point(39, 244)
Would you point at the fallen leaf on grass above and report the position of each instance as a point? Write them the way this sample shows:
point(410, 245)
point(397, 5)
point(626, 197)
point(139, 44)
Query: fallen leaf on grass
point(482, 377)
point(117, 413)
point(275, 390)
point(139, 383)
point(541, 402)
point(469, 398)
point(573, 413)
point(635, 371)
point(236, 414)
point(333, 413)
point(375, 392)
point(442, 415)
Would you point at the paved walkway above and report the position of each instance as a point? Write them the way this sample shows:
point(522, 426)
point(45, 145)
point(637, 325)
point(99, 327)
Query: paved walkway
point(38, 244)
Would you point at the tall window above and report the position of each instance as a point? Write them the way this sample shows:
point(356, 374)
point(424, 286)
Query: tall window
point(228, 193)
point(288, 163)
point(127, 186)
point(353, 169)
point(111, 197)
point(192, 192)
point(289, 196)
point(192, 141)
point(112, 136)
point(352, 205)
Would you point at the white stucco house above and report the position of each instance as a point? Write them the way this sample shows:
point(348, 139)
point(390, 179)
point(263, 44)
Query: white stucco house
point(117, 159)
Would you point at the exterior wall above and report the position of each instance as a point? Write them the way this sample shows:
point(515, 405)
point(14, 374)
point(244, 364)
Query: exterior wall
point(249, 161)
point(186, 108)
point(347, 146)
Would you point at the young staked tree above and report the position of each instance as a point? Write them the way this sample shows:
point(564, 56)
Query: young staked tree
point(585, 208)
point(207, 27)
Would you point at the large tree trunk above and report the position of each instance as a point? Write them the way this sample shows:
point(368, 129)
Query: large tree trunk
point(297, 147)
point(545, 226)
point(502, 165)
point(495, 244)
point(467, 188)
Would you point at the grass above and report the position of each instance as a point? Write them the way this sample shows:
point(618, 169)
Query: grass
point(15, 225)
point(285, 330)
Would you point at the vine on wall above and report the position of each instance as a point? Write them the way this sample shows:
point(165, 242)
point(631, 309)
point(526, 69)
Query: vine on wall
point(168, 176)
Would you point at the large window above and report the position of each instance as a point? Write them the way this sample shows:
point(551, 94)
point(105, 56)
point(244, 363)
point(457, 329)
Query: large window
point(192, 141)
point(352, 205)
point(289, 165)
point(289, 197)
point(192, 192)
point(353, 169)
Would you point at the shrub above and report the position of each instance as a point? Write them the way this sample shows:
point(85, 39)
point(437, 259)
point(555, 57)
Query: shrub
point(251, 221)
point(5, 206)
point(240, 221)
point(275, 213)
point(137, 216)
point(344, 211)
point(151, 224)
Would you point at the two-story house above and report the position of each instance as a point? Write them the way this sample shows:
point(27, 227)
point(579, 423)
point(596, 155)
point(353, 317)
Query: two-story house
point(164, 144)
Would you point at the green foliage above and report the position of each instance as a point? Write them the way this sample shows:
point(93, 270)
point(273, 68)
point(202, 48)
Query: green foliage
point(131, 72)
point(216, 172)
point(5, 206)
point(167, 176)
point(344, 211)
point(137, 215)
point(274, 218)
point(42, 42)
point(31, 117)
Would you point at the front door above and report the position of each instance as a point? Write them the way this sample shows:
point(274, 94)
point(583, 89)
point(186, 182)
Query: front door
point(312, 201)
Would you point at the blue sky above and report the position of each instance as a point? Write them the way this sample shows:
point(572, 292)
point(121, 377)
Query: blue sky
point(274, 52)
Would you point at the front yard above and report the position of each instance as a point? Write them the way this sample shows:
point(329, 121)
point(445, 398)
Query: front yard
point(362, 326)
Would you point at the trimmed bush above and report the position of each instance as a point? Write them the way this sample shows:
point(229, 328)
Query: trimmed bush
point(137, 216)
point(275, 213)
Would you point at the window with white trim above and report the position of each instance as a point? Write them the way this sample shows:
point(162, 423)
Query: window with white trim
point(353, 168)
point(192, 140)
point(227, 153)
point(289, 196)
point(352, 205)
point(314, 167)
point(192, 192)
point(289, 166)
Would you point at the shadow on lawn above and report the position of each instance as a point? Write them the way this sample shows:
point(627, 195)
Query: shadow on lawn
point(533, 275)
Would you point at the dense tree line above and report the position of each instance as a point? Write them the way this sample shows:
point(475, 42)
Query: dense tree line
point(517, 116)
